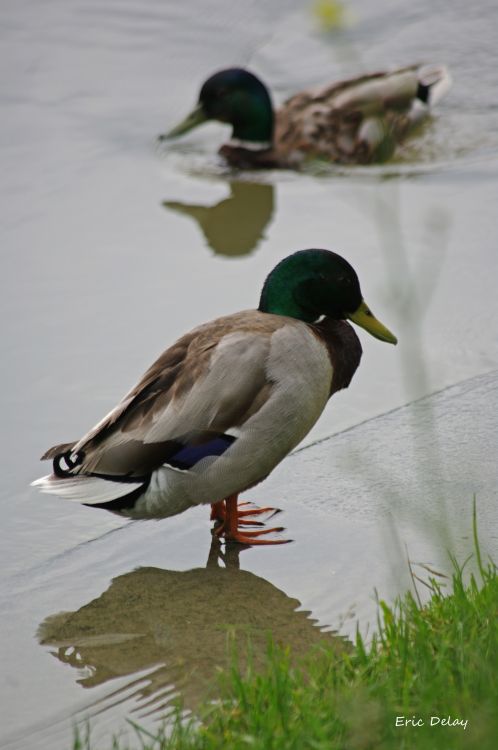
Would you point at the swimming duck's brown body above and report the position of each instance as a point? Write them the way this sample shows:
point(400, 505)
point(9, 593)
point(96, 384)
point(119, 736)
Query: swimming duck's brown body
point(358, 121)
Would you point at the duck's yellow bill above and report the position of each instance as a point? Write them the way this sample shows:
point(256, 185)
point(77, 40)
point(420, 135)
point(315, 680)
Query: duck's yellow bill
point(364, 317)
point(195, 118)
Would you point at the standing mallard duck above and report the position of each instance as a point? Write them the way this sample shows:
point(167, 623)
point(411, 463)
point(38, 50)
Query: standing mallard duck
point(351, 122)
point(226, 403)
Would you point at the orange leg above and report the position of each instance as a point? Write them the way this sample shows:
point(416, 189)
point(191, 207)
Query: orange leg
point(218, 512)
point(229, 527)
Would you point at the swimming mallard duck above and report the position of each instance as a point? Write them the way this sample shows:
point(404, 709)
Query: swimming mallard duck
point(351, 122)
point(226, 403)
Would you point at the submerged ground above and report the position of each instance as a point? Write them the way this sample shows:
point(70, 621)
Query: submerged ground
point(113, 247)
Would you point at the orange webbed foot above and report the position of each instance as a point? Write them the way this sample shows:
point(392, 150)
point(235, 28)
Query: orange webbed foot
point(249, 540)
point(229, 518)
point(257, 511)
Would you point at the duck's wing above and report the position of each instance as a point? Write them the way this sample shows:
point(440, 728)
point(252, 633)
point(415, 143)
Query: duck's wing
point(359, 120)
point(210, 381)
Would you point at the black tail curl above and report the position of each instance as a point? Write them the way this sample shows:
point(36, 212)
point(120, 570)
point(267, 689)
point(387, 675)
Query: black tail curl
point(423, 92)
point(66, 464)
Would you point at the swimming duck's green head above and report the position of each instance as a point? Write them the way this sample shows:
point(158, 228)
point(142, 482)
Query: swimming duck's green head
point(312, 283)
point(236, 97)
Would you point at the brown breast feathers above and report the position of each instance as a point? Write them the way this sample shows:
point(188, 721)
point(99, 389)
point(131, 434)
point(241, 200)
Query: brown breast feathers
point(344, 349)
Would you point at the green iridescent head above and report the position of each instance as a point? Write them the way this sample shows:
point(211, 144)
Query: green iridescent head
point(236, 97)
point(312, 283)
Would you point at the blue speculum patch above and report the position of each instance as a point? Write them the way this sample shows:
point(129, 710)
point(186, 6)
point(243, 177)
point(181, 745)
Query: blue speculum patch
point(190, 455)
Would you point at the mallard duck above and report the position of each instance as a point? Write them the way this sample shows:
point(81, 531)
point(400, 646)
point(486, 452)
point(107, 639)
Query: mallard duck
point(226, 403)
point(358, 121)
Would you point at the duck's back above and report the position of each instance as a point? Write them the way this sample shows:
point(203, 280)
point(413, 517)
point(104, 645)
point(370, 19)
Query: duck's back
point(360, 120)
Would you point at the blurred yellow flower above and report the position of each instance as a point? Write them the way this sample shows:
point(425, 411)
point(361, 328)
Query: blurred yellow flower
point(329, 13)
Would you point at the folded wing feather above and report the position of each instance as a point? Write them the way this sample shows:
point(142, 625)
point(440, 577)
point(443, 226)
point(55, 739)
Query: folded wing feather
point(209, 381)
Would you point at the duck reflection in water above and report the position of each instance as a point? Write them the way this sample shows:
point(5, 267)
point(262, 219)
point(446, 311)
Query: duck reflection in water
point(170, 631)
point(235, 225)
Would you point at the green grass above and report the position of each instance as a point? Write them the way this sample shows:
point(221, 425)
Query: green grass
point(438, 659)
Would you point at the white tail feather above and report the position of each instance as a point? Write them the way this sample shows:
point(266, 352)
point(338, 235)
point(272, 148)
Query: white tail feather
point(85, 489)
point(438, 79)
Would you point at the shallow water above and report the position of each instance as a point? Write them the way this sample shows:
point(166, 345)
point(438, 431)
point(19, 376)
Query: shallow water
point(114, 246)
